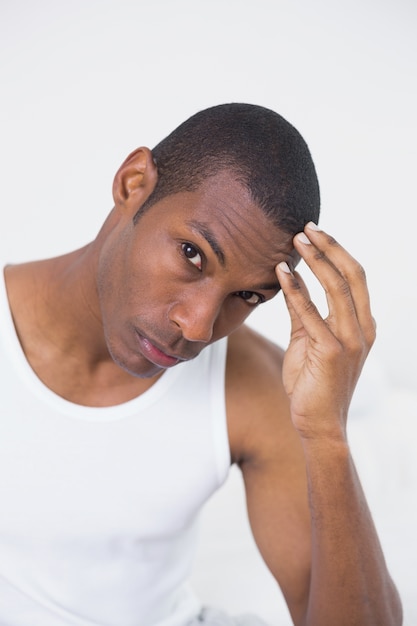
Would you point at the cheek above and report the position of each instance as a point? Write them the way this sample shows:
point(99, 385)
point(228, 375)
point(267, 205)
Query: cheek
point(112, 271)
point(151, 289)
point(144, 277)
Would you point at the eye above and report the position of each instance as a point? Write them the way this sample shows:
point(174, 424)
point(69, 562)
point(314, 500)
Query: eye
point(192, 254)
point(251, 297)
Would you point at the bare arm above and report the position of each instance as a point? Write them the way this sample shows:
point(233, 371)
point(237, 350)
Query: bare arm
point(349, 583)
point(329, 563)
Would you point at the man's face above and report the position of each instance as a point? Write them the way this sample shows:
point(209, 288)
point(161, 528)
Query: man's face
point(188, 273)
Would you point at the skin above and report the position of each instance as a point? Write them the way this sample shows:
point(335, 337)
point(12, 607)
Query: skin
point(142, 297)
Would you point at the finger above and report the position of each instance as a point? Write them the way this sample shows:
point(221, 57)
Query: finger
point(342, 317)
point(304, 315)
point(350, 269)
point(343, 279)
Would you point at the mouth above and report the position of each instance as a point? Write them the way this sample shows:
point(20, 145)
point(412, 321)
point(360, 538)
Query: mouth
point(154, 354)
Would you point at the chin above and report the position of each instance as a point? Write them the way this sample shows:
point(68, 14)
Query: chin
point(137, 367)
point(145, 370)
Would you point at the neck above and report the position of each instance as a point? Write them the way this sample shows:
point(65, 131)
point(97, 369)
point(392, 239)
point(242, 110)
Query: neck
point(56, 312)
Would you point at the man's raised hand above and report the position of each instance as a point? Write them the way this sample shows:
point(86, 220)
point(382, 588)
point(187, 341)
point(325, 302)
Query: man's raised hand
point(325, 356)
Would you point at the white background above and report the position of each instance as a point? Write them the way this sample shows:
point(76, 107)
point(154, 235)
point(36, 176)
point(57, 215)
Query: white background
point(84, 82)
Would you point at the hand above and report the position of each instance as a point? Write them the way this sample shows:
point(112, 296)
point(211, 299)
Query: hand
point(325, 356)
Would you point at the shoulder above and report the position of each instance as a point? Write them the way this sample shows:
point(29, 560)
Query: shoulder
point(254, 366)
point(247, 350)
point(23, 286)
point(18, 280)
point(257, 405)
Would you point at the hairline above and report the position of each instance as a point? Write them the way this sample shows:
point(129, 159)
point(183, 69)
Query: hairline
point(239, 175)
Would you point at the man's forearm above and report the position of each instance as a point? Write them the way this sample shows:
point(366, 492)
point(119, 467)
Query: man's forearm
point(350, 583)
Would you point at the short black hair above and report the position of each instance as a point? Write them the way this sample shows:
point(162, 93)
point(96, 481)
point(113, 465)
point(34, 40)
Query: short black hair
point(264, 152)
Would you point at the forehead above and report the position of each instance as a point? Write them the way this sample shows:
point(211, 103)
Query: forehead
point(222, 209)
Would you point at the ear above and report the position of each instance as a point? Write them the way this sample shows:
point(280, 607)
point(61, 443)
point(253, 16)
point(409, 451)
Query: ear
point(135, 180)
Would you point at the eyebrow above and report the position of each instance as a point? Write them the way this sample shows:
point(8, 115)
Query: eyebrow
point(269, 287)
point(209, 236)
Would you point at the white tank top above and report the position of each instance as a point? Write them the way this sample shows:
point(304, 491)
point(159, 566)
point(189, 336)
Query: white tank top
point(98, 506)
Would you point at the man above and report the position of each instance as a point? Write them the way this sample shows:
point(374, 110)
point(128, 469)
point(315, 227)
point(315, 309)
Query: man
point(131, 383)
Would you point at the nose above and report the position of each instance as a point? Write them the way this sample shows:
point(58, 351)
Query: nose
point(196, 317)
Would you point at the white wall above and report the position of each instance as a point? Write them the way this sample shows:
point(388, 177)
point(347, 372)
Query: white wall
point(83, 82)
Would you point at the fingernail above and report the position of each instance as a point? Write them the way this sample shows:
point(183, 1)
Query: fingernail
point(303, 238)
point(312, 226)
point(284, 267)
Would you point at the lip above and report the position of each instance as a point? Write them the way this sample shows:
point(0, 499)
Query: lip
point(155, 355)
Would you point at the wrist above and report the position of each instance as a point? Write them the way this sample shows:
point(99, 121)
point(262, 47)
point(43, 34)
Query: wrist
point(326, 446)
point(330, 472)
point(322, 430)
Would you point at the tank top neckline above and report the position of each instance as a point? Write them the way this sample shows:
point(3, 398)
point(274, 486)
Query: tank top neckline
point(63, 406)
